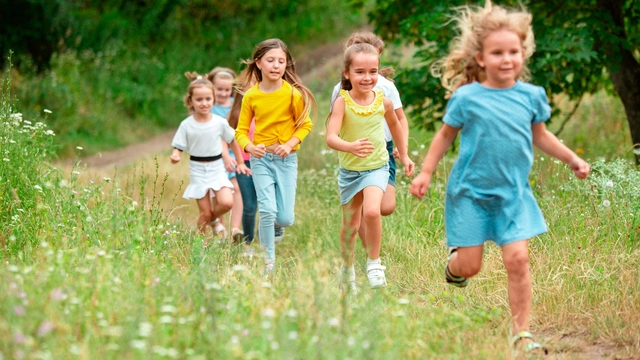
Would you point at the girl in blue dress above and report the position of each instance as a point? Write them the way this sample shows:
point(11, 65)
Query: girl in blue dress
point(498, 117)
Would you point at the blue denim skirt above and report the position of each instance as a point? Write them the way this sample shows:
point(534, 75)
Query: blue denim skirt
point(352, 182)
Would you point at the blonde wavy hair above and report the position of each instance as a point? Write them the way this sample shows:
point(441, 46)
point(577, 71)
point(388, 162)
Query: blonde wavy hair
point(474, 25)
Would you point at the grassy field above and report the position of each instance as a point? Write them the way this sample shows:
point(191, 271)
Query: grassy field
point(107, 263)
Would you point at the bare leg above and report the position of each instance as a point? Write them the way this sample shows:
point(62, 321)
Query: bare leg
point(204, 207)
point(515, 257)
point(387, 207)
point(236, 209)
point(351, 218)
point(466, 261)
point(372, 197)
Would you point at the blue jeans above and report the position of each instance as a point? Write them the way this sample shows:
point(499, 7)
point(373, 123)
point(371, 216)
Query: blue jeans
point(275, 180)
point(249, 204)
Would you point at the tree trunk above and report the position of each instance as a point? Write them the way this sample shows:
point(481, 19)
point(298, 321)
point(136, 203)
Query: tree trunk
point(625, 71)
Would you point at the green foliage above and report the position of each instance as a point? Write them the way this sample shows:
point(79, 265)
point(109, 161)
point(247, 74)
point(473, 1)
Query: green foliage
point(571, 56)
point(99, 267)
point(121, 79)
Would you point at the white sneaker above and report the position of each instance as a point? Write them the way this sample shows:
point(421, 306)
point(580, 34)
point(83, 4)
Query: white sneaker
point(279, 233)
point(269, 269)
point(375, 273)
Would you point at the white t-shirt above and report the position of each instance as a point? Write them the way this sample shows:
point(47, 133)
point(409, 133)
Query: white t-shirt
point(390, 91)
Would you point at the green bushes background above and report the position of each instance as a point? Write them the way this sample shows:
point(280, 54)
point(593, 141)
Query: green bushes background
point(112, 71)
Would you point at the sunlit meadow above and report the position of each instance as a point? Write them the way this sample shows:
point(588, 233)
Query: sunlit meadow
point(104, 263)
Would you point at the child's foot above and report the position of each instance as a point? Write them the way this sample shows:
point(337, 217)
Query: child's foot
point(523, 343)
point(237, 236)
point(269, 269)
point(375, 273)
point(219, 229)
point(458, 281)
point(279, 233)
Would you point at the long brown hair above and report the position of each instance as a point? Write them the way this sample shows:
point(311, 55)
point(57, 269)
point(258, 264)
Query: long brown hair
point(252, 74)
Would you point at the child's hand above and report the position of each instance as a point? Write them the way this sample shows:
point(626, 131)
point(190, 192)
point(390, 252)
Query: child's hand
point(419, 185)
point(282, 150)
point(361, 147)
point(243, 169)
point(409, 166)
point(175, 157)
point(229, 163)
point(396, 153)
point(580, 168)
point(257, 151)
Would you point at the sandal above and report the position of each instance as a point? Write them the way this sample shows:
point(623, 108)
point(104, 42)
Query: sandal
point(530, 348)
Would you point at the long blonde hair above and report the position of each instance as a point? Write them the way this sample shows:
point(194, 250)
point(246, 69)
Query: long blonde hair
point(475, 24)
point(252, 75)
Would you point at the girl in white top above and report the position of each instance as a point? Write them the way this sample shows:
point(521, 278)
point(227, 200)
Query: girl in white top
point(201, 135)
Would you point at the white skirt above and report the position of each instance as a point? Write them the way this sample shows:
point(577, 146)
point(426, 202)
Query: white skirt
point(205, 176)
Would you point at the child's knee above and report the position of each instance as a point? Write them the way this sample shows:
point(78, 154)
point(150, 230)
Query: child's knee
point(517, 261)
point(469, 269)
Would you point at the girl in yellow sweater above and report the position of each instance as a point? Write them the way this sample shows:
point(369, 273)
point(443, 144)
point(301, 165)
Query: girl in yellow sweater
point(280, 105)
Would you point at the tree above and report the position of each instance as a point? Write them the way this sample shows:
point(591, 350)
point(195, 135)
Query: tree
point(582, 47)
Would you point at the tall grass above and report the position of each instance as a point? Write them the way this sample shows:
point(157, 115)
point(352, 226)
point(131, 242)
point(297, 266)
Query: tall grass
point(107, 264)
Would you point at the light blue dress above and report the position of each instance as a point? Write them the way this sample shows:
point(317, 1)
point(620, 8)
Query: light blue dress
point(223, 111)
point(488, 192)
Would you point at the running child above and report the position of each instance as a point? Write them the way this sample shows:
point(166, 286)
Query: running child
point(499, 117)
point(201, 135)
point(356, 130)
point(280, 106)
point(224, 93)
point(390, 91)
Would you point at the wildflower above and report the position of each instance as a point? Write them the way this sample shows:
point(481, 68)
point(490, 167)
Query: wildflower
point(636, 150)
point(19, 310)
point(403, 301)
point(79, 148)
point(107, 179)
point(168, 309)
point(145, 329)
point(606, 203)
point(609, 183)
point(38, 187)
point(166, 319)
point(57, 294)
point(293, 335)
point(5, 159)
point(138, 344)
point(45, 328)
point(48, 111)
point(333, 322)
point(50, 133)
point(292, 313)
point(579, 151)
point(268, 312)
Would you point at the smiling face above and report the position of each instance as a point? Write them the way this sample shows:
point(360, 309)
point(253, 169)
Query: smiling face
point(502, 58)
point(202, 101)
point(222, 91)
point(272, 65)
point(363, 72)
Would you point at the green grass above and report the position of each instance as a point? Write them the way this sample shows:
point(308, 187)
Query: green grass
point(107, 264)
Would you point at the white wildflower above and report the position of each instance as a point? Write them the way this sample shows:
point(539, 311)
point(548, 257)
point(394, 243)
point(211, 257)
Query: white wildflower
point(606, 203)
point(48, 111)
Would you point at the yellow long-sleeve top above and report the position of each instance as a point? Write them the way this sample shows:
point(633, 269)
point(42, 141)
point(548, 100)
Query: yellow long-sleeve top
point(274, 115)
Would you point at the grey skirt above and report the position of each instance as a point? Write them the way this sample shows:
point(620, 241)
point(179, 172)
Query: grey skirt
point(352, 182)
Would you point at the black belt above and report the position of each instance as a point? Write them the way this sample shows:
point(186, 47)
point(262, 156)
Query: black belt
point(206, 158)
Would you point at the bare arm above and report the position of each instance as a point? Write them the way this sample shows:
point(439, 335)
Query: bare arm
point(441, 142)
point(360, 148)
point(549, 143)
point(399, 136)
